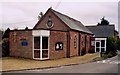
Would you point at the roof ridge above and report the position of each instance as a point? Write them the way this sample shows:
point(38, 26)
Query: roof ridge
point(65, 15)
point(100, 25)
point(71, 22)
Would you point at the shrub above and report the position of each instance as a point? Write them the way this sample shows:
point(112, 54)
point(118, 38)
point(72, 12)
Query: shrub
point(91, 50)
point(109, 55)
point(111, 45)
point(118, 44)
point(83, 52)
point(111, 48)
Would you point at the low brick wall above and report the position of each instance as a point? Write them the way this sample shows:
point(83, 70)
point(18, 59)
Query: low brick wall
point(16, 49)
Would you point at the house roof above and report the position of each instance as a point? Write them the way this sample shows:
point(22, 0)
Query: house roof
point(72, 23)
point(102, 30)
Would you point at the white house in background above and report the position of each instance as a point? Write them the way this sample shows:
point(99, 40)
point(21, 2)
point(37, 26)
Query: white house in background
point(102, 31)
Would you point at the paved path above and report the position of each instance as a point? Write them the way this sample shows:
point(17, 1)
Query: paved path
point(109, 65)
point(104, 66)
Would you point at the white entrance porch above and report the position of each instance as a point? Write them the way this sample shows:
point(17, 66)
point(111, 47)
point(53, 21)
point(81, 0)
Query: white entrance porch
point(40, 44)
point(100, 44)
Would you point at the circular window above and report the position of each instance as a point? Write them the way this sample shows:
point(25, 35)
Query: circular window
point(49, 24)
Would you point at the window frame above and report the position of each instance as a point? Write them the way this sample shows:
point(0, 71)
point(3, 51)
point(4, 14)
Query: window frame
point(75, 41)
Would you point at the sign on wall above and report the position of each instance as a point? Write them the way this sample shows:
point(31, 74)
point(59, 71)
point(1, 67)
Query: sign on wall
point(92, 43)
point(24, 42)
point(59, 46)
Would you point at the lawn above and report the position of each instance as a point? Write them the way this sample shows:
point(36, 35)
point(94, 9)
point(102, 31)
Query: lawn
point(12, 63)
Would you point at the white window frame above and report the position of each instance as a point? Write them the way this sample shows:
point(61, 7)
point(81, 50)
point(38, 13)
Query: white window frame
point(99, 40)
point(40, 33)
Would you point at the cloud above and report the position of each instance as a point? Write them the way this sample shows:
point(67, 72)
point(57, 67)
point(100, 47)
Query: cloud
point(21, 14)
point(89, 13)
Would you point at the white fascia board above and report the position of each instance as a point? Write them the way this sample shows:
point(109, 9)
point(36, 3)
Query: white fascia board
point(100, 38)
point(40, 32)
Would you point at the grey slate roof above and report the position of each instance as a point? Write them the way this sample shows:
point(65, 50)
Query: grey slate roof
point(72, 23)
point(102, 30)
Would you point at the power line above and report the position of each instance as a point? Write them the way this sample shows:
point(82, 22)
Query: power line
point(58, 4)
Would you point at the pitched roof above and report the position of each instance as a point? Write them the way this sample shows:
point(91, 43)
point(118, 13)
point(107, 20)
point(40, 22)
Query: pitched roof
point(72, 23)
point(102, 30)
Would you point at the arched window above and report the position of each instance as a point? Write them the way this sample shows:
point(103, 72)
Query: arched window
point(75, 41)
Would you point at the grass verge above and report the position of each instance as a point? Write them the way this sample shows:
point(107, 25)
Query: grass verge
point(11, 64)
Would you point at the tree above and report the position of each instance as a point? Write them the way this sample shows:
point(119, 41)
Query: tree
point(6, 33)
point(98, 23)
point(5, 47)
point(118, 44)
point(5, 43)
point(40, 15)
point(103, 22)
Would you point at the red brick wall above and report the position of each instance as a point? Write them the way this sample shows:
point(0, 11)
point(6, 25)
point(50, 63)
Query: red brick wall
point(83, 46)
point(57, 23)
point(57, 36)
point(82, 41)
point(16, 49)
point(73, 50)
point(87, 43)
point(92, 47)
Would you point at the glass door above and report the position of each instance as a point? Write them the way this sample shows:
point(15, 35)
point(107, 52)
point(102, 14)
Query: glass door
point(36, 49)
point(41, 47)
point(98, 46)
point(45, 47)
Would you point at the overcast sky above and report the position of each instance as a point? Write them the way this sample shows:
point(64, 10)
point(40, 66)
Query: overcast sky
point(21, 14)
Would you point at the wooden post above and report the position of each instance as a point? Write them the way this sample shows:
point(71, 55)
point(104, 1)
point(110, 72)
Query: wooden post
point(101, 53)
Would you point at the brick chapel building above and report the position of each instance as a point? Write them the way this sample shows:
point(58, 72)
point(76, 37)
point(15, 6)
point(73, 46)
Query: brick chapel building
point(54, 36)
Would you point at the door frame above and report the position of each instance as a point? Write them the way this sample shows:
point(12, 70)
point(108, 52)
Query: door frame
point(99, 39)
point(42, 49)
point(41, 33)
point(99, 46)
point(41, 58)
